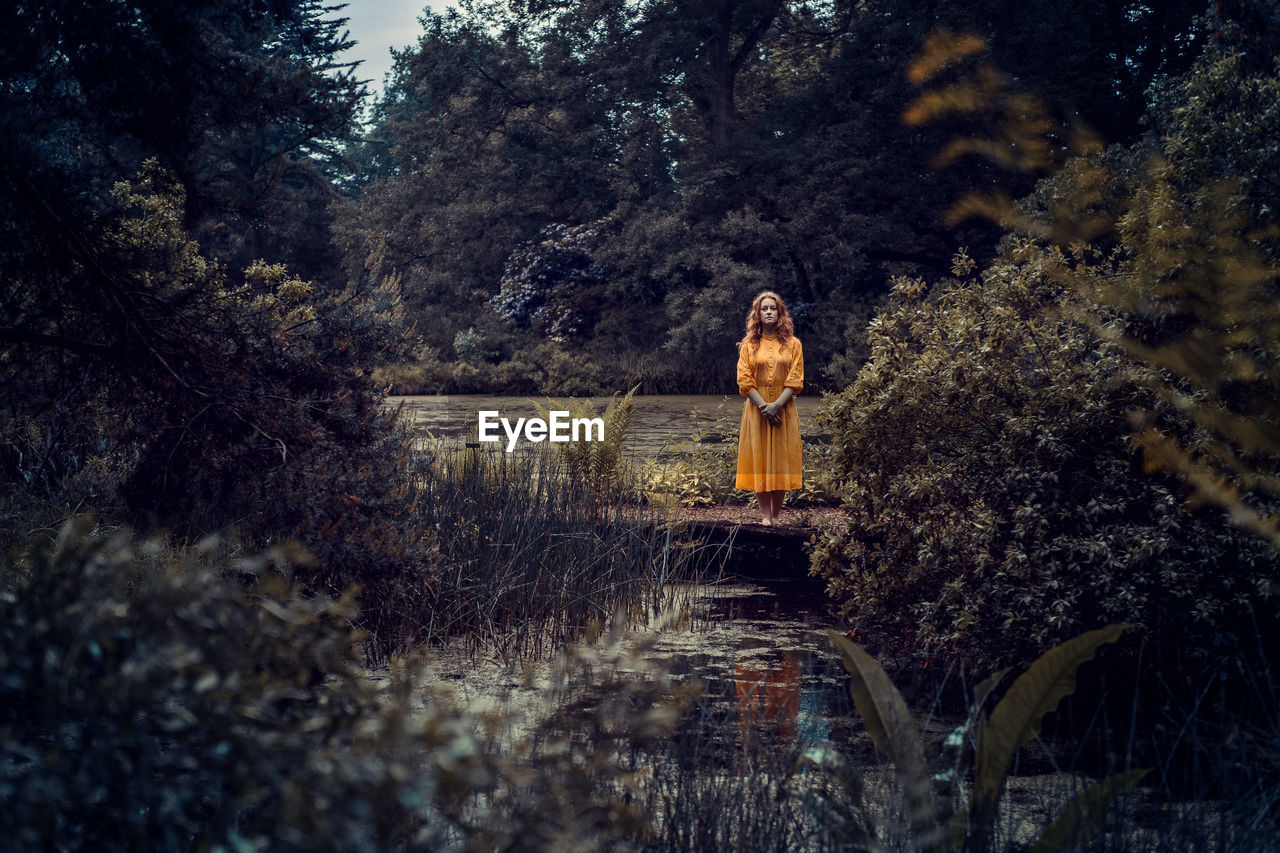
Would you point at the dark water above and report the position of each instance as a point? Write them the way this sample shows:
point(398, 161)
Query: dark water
point(661, 422)
point(770, 674)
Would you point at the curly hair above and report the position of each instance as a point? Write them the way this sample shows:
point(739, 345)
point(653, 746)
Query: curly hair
point(755, 329)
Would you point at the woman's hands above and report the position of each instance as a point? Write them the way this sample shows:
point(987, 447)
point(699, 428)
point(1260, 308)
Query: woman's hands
point(772, 412)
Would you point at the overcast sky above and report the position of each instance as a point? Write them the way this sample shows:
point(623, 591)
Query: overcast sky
point(379, 25)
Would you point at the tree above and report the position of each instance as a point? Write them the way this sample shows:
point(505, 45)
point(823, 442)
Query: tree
point(479, 144)
point(141, 376)
point(248, 104)
point(725, 147)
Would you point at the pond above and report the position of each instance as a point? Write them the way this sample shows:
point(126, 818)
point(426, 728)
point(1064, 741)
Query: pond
point(758, 645)
point(770, 677)
point(660, 423)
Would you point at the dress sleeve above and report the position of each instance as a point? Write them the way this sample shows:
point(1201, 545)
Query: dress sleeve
point(746, 370)
point(795, 376)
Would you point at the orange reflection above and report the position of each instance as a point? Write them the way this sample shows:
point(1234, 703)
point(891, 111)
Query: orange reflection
point(768, 698)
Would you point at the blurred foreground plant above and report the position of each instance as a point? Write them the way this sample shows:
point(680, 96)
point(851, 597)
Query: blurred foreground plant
point(956, 808)
point(1192, 222)
point(193, 700)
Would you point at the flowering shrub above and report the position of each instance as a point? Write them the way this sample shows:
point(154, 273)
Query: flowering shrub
point(549, 285)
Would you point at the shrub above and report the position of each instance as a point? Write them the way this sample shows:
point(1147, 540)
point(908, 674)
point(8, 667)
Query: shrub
point(985, 441)
point(155, 703)
point(553, 285)
point(201, 401)
point(153, 700)
point(996, 507)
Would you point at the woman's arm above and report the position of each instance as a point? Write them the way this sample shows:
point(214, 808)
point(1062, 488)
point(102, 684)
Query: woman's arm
point(763, 407)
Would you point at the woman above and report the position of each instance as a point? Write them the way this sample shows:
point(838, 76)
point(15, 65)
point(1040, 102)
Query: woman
point(770, 374)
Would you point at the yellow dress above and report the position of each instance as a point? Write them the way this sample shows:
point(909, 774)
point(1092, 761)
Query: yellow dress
point(768, 455)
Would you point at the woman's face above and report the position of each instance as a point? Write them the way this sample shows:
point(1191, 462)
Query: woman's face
point(768, 312)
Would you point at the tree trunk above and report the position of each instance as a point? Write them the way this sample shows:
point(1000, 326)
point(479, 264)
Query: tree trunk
point(716, 101)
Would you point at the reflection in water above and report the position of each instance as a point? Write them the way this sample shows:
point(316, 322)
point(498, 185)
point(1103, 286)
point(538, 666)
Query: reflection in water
point(768, 696)
point(771, 679)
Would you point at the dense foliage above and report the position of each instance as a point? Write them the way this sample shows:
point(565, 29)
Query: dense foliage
point(997, 506)
point(155, 406)
point(247, 103)
point(710, 150)
point(153, 700)
point(199, 386)
point(209, 272)
point(986, 447)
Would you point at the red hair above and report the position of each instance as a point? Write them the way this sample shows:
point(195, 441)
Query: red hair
point(755, 328)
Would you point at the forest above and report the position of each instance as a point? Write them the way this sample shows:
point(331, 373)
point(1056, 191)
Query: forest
point(1033, 252)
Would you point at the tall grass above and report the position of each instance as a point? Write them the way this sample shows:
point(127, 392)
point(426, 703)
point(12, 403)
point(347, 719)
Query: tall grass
point(532, 557)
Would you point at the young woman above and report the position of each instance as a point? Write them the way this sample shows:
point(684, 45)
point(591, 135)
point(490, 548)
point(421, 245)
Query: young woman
point(770, 374)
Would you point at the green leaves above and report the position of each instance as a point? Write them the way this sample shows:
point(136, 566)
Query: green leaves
point(891, 728)
point(985, 744)
point(153, 700)
point(1082, 817)
point(1017, 718)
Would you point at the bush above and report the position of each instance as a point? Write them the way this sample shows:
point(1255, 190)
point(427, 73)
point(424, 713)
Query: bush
point(544, 367)
point(553, 285)
point(153, 700)
point(202, 401)
point(996, 507)
point(156, 704)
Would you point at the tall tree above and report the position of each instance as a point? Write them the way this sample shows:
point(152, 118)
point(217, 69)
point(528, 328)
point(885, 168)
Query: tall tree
point(489, 131)
point(248, 103)
point(222, 99)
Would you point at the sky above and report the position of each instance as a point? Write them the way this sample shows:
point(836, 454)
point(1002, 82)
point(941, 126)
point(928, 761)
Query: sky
point(379, 25)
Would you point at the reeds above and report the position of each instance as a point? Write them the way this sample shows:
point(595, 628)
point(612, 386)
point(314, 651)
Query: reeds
point(531, 557)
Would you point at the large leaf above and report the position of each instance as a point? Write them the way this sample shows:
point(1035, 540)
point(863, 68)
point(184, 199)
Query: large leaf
point(894, 733)
point(1082, 817)
point(1018, 716)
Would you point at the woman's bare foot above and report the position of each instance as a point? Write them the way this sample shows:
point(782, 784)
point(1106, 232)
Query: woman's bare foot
point(766, 522)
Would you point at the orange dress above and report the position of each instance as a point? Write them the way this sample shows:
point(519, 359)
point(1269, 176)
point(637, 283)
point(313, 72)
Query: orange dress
point(768, 455)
